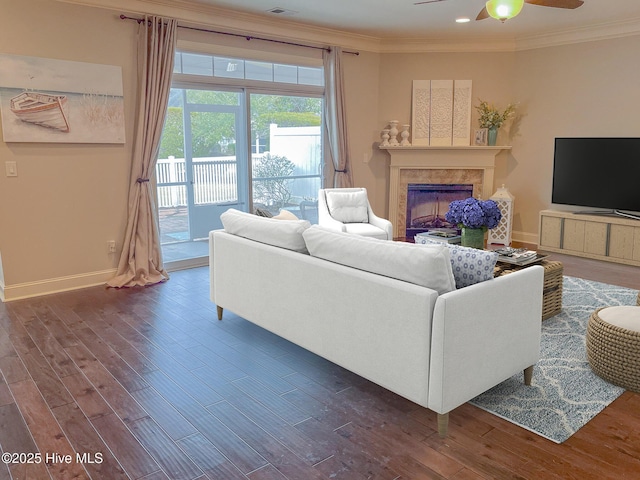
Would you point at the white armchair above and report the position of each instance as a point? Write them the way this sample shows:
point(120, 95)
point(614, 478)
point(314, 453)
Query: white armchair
point(348, 210)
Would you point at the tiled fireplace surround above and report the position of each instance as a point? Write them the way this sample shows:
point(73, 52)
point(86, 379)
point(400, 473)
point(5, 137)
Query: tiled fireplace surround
point(437, 165)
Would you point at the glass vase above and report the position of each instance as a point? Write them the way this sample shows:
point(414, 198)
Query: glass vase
point(492, 136)
point(472, 237)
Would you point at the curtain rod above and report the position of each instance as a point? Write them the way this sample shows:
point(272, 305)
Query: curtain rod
point(247, 37)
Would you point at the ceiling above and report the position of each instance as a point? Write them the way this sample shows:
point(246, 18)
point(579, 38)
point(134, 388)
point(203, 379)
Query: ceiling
point(401, 19)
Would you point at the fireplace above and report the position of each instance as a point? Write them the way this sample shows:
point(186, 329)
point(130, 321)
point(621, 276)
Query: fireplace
point(427, 205)
point(470, 165)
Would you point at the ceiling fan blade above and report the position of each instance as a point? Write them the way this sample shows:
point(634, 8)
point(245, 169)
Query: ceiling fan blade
point(428, 1)
point(483, 14)
point(571, 4)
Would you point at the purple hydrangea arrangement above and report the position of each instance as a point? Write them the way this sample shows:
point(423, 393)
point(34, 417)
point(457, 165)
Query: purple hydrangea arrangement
point(474, 213)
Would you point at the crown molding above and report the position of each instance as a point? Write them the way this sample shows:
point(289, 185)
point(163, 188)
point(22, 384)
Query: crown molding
point(191, 13)
point(436, 45)
point(590, 33)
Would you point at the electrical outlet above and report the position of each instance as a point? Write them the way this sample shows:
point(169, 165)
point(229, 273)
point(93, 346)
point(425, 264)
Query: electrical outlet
point(111, 246)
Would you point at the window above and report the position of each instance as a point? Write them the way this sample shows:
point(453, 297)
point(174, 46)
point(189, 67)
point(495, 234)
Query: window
point(239, 133)
point(227, 67)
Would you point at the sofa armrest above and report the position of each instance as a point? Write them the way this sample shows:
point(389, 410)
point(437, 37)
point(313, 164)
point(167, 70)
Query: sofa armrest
point(212, 296)
point(484, 334)
point(381, 223)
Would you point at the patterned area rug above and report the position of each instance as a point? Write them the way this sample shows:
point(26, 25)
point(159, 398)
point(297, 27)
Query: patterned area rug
point(565, 394)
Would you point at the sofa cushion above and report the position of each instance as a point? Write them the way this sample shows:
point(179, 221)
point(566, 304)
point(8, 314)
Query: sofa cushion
point(348, 206)
point(470, 265)
point(279, 233)
point(366, 230)
point(428, 267)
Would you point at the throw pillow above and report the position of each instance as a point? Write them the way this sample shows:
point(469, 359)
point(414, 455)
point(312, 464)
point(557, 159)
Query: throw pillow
point(348, 206)
point(279, 233)
point(263, 212)
point(285, 215)
point(469, 265)
point(427, 267)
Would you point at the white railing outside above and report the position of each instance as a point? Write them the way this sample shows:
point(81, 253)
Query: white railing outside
point(215, 180)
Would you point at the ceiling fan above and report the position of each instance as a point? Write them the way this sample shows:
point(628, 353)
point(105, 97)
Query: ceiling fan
point(505, 9)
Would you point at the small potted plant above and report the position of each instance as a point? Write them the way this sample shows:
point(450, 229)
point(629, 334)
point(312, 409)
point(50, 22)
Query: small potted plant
point(473, 217)
point(492, 119)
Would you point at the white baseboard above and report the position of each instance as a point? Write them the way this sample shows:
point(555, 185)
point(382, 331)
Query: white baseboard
point(524, 237)
point(54, 285)
point(187, 263)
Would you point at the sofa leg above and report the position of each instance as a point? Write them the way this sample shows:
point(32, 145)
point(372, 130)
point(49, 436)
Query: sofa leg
point(528, 375)
point(443, 424)
point(219, 312)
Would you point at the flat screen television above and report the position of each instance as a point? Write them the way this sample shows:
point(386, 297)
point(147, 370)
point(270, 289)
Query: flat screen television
point(600, 173)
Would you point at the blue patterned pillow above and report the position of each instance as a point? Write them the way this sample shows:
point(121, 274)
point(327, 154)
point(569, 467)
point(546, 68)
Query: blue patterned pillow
point(469, 265)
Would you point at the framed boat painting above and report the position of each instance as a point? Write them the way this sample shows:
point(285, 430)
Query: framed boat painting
point(60, 101)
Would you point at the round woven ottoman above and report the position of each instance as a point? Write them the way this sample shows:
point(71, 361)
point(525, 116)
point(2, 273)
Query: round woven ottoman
point(613, 345)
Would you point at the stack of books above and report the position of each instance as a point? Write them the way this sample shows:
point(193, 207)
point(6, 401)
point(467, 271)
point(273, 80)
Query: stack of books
point(518, 256)
point(444, 235)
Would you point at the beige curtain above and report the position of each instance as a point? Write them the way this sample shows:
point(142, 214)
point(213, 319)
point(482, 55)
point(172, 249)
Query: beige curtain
point(141, 260)
point(335, 120)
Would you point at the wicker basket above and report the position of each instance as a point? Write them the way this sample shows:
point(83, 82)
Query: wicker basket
point(552, 287)
point(614, 352)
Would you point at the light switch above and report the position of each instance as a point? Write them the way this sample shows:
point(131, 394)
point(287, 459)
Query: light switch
point(12, 169)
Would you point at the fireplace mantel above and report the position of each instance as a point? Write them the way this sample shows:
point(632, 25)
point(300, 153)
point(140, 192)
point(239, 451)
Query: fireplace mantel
point(417, 161)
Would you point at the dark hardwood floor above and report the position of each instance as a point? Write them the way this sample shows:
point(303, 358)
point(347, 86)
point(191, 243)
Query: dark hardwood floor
point(147, 383)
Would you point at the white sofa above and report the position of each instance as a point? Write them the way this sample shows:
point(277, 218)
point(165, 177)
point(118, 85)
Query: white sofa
point(439, 350)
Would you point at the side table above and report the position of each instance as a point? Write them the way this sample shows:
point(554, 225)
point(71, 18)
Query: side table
point(552, 288)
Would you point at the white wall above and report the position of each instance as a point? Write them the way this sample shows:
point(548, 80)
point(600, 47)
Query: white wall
point(583, 90)
point(68, 199)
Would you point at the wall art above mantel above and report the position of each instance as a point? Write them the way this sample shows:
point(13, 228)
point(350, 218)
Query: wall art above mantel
point(441, 112)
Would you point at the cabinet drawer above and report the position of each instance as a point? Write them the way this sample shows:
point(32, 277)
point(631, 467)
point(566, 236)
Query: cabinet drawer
point(573, 235)
point(550, 231)
point(621, 241)
point(595, 238)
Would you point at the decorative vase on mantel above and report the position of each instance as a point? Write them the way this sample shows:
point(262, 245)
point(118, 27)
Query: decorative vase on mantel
point(472, 237)
point(492, 136)
point(393, 133)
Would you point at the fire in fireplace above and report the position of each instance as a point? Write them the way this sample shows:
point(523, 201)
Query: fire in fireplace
point(427, 205)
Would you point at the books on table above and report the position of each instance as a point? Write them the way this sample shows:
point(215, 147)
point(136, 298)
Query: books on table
point(518, 256)
point(439, 235)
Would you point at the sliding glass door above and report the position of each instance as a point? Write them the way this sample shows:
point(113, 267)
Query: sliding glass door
point(214, 158)
point(201, 169)
point(241, 134)
point(287, 167)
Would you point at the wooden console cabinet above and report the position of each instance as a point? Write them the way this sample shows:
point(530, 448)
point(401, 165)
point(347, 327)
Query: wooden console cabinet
point(610, 238)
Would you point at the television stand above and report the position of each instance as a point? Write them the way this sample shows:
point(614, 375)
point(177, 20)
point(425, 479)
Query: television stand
point(595, 212)
point(627, 214)
point(597, 236)
point(619, 213)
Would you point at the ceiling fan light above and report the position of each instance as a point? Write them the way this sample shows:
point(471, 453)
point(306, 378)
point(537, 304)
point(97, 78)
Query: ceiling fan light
point(504, 9)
